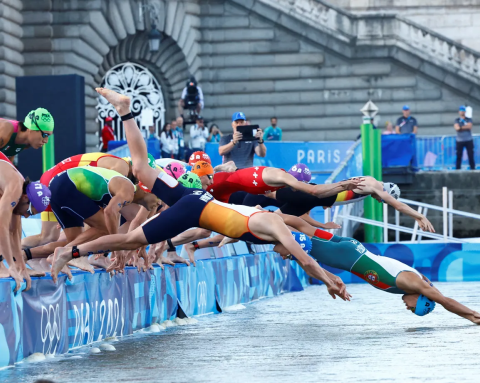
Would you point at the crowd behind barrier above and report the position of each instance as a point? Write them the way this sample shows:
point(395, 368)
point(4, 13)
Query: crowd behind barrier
point(439, 152)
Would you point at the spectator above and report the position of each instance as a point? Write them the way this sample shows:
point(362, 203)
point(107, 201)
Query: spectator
point(388, 128)
point(215, 134)
point(153, 142)
point(178, 131)
point(191, 94)
point(406, 124)
point(273, 132)
point(107, 134)
point(241, 152)
point(198, 136)
point(463, 126)
point(169, 141)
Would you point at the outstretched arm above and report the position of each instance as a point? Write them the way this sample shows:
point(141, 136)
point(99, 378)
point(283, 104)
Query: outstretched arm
point(423, 222)
point(410, 282)
point(329, 225)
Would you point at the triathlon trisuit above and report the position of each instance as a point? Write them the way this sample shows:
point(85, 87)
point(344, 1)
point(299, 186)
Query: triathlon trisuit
point(347, 197)
point(4, 158)
point(79, 193)
point(247, 199)
point(11, 148)
point(350, 255)
point(196, 208)
point(249, 180)
point(88, 159)
point(298, 203)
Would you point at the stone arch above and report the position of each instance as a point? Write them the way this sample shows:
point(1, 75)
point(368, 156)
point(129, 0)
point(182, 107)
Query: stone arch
point(168, 65)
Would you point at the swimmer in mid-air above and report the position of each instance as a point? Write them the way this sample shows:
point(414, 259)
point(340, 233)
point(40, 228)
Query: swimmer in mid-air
point(188, 208)
point(384, 273)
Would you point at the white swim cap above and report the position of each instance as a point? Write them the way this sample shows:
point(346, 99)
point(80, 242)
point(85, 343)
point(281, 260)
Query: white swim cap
point(392, 189)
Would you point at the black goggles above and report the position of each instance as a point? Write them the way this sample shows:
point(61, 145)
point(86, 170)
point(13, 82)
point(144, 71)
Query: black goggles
point(44, 135)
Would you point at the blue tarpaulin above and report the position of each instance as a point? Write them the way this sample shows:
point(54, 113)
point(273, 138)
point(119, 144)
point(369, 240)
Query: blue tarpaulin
point(399, 150)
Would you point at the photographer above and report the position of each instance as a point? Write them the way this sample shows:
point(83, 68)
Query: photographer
point(463, 126)
point(241, 152)
point(215, 134)
point(192, 94)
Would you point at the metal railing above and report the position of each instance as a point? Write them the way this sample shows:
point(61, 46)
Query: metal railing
point(351, 166)
point(440, 152)
point(417, 236)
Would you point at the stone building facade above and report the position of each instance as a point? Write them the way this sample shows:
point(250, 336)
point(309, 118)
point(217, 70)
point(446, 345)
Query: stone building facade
point(308, 63)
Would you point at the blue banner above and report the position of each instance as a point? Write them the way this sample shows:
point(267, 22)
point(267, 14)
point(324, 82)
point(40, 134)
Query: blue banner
point(399, 150)
point(52, 319)
point(320, 157)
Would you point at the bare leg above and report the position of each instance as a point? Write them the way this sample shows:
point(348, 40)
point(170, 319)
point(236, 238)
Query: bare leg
point(130, 241)
point(135, 141)
point(4, 271)
point(50, 233)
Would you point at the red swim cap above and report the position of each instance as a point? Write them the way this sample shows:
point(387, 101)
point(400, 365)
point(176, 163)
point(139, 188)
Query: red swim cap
point(199, 156)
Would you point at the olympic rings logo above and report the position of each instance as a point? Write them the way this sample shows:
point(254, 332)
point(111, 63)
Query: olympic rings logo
point(202, 296)
point(51, 330)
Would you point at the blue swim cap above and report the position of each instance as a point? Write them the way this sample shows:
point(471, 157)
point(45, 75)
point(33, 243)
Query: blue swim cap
point(424, 306)
point(303, 240)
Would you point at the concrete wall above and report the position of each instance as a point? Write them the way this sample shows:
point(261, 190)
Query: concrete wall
point(305, 62)
point(11, 59)
point(427, 188)
point(457, 20)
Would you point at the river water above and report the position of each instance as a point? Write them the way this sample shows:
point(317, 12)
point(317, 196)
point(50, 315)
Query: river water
point(297, 337)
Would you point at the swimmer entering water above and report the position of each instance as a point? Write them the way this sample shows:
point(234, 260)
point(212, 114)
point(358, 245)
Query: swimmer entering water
point(383, 273)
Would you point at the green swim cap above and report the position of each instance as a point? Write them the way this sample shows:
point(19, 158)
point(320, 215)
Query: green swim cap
point(151, 161)
point(190, 180)
point(40, 117)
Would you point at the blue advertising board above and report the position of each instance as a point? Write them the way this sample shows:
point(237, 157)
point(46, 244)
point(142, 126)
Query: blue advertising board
point(320, 157)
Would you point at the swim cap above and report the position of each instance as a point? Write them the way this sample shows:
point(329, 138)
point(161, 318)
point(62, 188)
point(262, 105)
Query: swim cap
point(202, 168)
point(199, 156)
point(424, 306)
point(303, 240)
point(190, 180)
point(39, 118)
point(174, 169)
point(301, 172)
point(151, 161)
point(39, 195)
point(392, 189)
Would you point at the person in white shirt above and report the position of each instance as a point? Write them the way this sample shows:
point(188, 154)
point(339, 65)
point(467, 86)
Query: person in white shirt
point(191, 90)
point(198, 136)
point(169, 141)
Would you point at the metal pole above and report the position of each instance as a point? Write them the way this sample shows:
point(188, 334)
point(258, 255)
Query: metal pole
point(327, 214)
point(397, 223)
point(450, 215)
point(385, 222)
point(445, 218)
point(48, 154)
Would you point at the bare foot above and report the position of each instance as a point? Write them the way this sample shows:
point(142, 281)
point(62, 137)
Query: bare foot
point(102, 262)
point(120, 102)
point(4, 271)
point(47, 267)
point(51, 259)
point(62, 256)
point(166, 261)
point(38, 265)
point(35, 273)
point(190, 249)
point(66, 270)
point(82, 264)
point(173, 256)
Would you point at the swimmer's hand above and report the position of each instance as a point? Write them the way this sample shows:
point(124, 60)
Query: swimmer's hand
point(352, 184)
point(475, 318)
point(344, 294)
point(335, 290)
point(425, 224)
point(331, 225)
point(228, 167)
